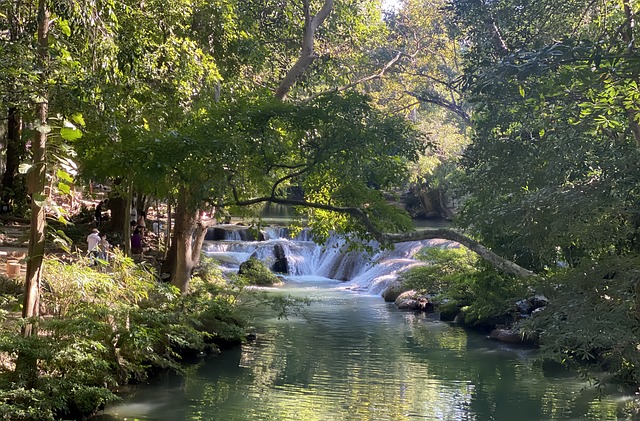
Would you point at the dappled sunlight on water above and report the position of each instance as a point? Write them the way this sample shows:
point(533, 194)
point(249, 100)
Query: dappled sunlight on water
point(353, 357)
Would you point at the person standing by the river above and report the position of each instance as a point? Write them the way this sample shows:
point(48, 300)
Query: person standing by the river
point(136, 242)
point(92, 244)
point(103, 248)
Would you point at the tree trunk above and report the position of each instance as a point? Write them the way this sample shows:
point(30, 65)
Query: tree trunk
point(37, 182)
point(498, 262)
point(189, 233)
point(167, 237)
point(126, 228)
point(15, 153)
point(185, 225)
point(117, 207)
point(27, 363)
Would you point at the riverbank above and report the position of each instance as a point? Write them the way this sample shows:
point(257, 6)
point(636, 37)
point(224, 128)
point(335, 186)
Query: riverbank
point(101, 327)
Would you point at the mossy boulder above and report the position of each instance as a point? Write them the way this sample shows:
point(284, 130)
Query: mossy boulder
point(256, 273)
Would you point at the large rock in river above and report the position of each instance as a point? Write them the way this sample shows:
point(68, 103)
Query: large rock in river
point(411, 300)
point(392, 292)
point(281, 264)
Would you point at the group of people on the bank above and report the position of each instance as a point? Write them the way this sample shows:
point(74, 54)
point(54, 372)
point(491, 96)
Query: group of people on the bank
point(98, 247)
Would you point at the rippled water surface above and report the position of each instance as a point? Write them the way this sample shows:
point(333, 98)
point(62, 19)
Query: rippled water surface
point(353, 357)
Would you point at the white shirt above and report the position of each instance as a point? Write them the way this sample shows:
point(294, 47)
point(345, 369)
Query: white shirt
point(92, 241)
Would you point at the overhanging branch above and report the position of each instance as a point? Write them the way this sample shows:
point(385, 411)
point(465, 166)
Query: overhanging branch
point(498, 262)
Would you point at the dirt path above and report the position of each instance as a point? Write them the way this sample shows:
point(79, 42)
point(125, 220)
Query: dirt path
point(13, 245)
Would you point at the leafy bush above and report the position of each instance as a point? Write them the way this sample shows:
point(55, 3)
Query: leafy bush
point(256, 273)
point(593, 318)
point(104, 329)
point(459, 278)
point(446, 268)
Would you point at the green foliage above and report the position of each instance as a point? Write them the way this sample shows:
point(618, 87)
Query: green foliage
point(459, 279)
point(551, 166)
point(287, 305)
point(551, 174)
point(592, 319)
point(256, 273)
point(445, 268)
point(107, 327)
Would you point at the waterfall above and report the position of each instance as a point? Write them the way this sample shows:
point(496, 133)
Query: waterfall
point(359, 270)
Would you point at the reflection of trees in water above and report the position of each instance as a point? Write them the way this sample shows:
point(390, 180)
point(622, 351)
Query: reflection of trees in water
point(311, 368)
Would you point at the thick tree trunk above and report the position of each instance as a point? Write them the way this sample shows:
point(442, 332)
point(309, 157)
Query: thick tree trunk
point(185, 225)
point(36, 188)
point(117, 207)
point(189, 233)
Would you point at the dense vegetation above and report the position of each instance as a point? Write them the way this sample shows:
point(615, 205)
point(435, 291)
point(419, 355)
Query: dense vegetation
point(550, 178)
point(526, 112)
point(104, 329)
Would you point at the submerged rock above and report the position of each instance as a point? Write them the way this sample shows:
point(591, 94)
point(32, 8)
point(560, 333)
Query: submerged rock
point(509, 336)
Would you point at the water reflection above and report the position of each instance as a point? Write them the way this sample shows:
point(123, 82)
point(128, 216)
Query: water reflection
point(353, 357)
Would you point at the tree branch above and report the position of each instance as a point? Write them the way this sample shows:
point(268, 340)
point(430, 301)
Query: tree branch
point(498, 262)
point(451, 106)
point(378, 75)
point(289, 176)
point(307, 55)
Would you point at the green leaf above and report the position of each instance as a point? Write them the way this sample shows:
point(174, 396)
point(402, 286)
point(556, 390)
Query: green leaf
point(64, 27)
point(64, 188)
point(521, 90)
point(65, 176)
point(70, 134)
point(78, 119)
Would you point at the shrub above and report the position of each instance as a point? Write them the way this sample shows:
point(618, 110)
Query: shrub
point(593, 317)
point(459, 278)
point(105, 328)
point(257, 274)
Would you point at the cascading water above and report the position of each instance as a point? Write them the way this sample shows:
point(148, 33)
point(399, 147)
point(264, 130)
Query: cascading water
point(360, 271)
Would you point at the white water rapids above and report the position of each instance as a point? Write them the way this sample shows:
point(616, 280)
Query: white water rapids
point(371, 273)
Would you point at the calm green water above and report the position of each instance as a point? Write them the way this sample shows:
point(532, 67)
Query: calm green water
point(354, 357)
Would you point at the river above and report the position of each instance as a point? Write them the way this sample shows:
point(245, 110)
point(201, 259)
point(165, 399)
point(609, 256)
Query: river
point(351, 356)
